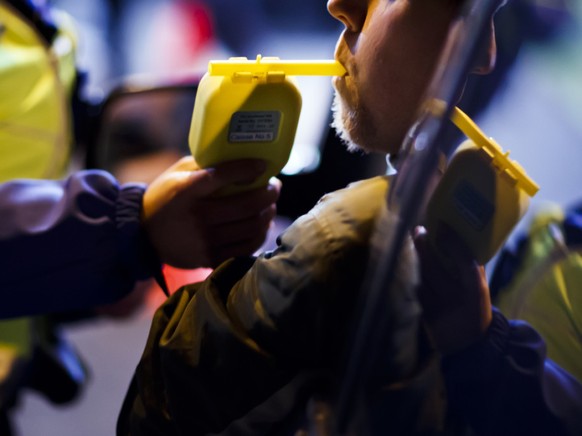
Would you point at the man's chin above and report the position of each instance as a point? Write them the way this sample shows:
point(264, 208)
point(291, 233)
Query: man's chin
point(342, 123)
point(345, 137)
point(351, 128)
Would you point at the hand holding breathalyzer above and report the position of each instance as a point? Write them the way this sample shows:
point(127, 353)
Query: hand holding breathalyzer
point(219, 227)
point(478, 201)
point(454, 295)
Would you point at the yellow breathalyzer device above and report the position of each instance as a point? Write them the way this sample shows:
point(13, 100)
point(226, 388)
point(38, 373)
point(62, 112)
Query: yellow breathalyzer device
point(482, 194)
point(250, 109)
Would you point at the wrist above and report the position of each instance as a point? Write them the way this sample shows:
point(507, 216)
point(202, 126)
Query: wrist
point(459, 328)
point(485, 353)
point(136, 250)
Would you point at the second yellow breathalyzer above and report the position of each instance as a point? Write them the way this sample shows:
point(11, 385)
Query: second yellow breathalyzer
point(250, 109)
point(482, 194)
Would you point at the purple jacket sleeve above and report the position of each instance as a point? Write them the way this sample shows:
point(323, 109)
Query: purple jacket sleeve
point(505, 385)
point(69, 244)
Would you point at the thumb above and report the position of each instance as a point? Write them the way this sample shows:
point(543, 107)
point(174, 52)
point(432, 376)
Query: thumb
point(207, 181)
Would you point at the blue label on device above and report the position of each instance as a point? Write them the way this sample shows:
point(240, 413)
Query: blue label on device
point(472, 206)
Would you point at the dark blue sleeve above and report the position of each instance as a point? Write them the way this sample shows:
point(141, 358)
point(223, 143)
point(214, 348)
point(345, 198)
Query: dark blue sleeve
point(505, 385)
point(70, 244)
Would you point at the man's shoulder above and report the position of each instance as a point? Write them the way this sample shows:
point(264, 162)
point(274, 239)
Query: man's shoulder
point(353, 210)
point(345, 217)
point(368, 193)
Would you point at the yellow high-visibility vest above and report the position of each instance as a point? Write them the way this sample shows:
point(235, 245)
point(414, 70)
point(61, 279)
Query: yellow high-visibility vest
point(36, 83)
point(545, 289)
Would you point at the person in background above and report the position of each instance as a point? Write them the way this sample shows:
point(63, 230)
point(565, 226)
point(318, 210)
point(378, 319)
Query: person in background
point(497, 374)
point(80, 242)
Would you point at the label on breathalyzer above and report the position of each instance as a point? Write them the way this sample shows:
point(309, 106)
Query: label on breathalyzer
point(257, 126)
point(472, 206)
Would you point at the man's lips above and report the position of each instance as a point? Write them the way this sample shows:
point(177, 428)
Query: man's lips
point(343, 64)
point(339, 83)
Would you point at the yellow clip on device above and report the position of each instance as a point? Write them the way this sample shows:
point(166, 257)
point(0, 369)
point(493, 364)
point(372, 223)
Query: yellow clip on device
point(482, 194)
point(250, 109)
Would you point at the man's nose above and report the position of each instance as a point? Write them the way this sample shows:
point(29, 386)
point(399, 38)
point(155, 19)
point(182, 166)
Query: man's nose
point(350, 12)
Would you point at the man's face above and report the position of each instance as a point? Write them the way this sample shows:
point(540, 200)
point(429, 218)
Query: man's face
point(390, 49)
